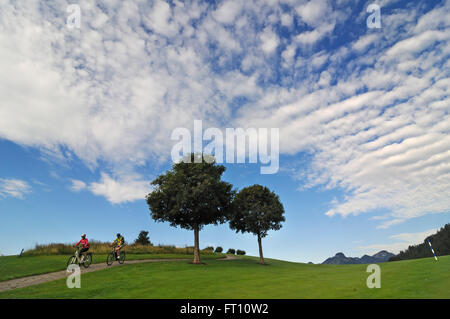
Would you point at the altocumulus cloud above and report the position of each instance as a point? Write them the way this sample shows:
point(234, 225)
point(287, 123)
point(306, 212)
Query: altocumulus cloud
point(13, 188)
point(370, 106)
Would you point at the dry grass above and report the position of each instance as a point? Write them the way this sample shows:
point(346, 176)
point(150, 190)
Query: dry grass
point(104, 248)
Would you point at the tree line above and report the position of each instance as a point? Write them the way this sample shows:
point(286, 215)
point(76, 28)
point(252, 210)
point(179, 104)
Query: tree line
point(440, 242)
point(192, 195)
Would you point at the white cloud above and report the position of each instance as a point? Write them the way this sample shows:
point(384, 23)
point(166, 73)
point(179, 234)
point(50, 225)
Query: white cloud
point(311, 37)
point(404, 241)
point(13, 188)
point(364, 41)
point(313, 12)
point(416, 43)
point(288, 55)
point(121, 190)
point(376, 125)
point(227, 11)
point(287, 19)
point(269, 41)
point(103, 94)
point(390, 223)
point(160, 19)
point(325, 78)
point(77, 185)
point(387, 148)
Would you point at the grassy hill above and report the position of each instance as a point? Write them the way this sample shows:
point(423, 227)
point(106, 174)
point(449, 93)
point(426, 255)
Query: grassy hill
point(13, 267)
point(245, 278)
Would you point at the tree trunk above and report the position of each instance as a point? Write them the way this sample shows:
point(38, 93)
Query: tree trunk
point(196, 247)
point(261, 257)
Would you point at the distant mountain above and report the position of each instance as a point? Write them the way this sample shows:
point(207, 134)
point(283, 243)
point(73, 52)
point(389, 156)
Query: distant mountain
point(341, 259)
point(440, 242)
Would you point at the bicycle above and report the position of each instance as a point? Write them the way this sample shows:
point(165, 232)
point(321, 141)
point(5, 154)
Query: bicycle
point(87, 261)
point(113, 256)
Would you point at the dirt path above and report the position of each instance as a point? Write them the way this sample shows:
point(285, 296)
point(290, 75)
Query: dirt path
point(39, 279)
point(229, 257)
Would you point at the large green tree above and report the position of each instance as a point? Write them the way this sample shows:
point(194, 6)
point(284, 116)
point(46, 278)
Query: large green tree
point(256, 210)
point(191, 195)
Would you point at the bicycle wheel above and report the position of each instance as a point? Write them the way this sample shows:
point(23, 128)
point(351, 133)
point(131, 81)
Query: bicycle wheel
point(87, 260)
point(72, 260)
point(110, 259)
point(122, 257)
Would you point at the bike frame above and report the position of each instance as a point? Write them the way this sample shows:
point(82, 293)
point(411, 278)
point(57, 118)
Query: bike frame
point(77, 254)
point(114, 250)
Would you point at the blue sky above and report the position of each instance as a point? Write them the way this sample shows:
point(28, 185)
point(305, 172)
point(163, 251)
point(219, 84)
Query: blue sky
point(86, 117)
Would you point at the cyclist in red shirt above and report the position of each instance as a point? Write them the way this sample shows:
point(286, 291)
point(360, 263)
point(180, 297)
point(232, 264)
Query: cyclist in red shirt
point(84, 247)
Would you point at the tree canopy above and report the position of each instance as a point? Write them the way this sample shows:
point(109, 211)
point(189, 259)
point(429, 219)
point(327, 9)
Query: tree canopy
point(256, 210)
point(191, 195)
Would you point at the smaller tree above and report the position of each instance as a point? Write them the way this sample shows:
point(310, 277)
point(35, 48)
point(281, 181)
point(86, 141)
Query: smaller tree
point(256, 210)
point(209, 249)
point(240, 252)
point(218, 249)
point(143, 238)
point(231, 251)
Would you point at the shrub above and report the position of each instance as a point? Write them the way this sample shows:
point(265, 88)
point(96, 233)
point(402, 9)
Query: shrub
point(240, 252)
point(231, 251)
point(143, 238)
point(209, 249)
point(98, 247)
point(218, 249)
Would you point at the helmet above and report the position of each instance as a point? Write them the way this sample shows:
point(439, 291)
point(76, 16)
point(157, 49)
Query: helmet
point(83, 235)
point(118, 234)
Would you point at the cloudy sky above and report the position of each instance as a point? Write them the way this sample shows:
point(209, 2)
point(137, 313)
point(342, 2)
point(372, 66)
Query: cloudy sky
point(86, 116)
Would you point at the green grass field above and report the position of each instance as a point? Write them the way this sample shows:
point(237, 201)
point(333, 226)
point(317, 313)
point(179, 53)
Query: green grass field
point(14, 267)
point(245, 278)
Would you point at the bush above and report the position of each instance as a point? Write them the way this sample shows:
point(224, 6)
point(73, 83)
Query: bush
point(218, 249)
point(209, 249)
point(143, 238)
point(231, 251)
point(98, 247)
point(240, 252)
